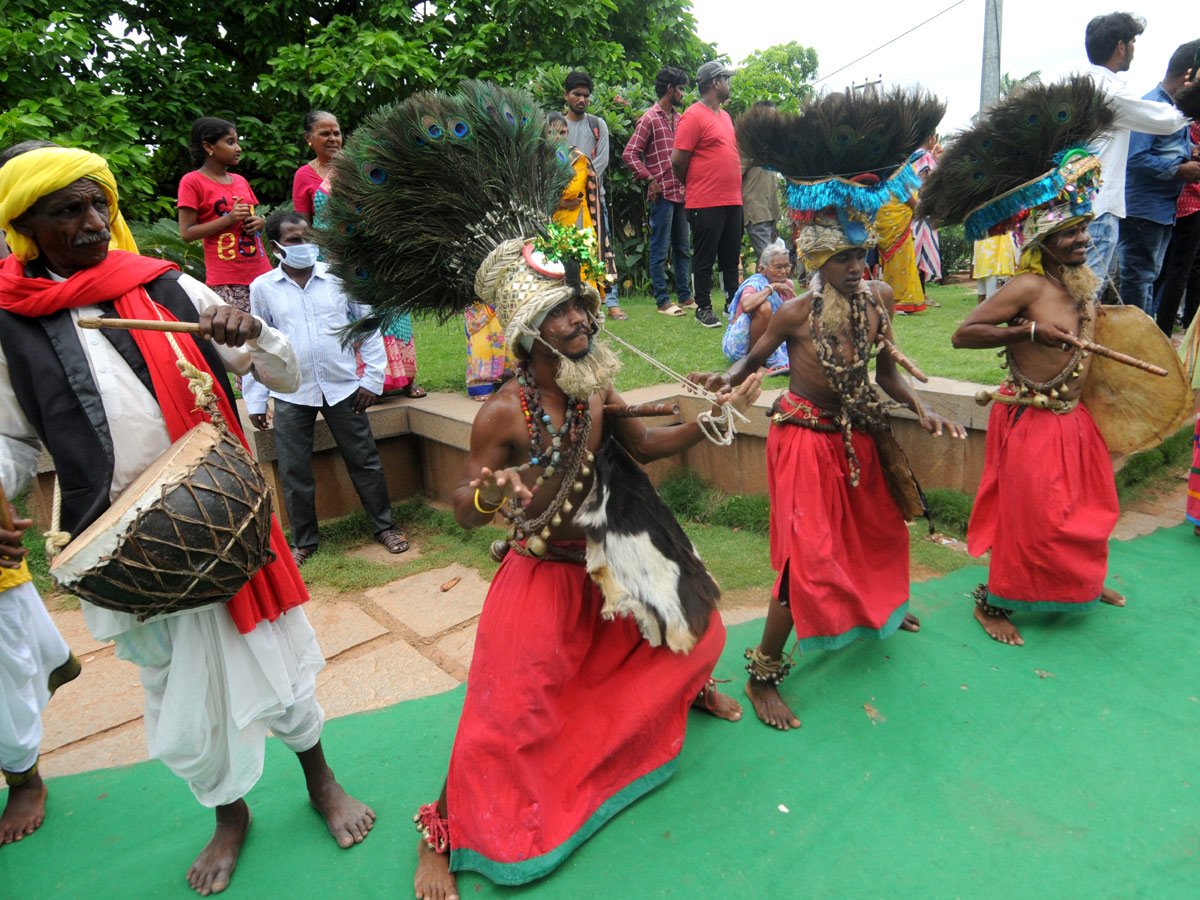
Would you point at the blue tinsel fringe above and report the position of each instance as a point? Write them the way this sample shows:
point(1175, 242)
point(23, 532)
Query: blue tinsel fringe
point(1004, 208)
point(840, 194)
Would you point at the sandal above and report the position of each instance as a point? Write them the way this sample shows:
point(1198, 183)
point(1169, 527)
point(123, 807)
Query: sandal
point(301, 554)
point(393, 539)
point(617, 314)
point(670, 310)
point(413, 390)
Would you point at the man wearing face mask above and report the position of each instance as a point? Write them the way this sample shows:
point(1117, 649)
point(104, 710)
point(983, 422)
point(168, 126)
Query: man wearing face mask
point(306, 303)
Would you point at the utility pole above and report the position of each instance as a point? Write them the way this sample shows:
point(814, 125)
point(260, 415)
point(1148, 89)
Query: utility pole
point(989, 86)
point(868, 87)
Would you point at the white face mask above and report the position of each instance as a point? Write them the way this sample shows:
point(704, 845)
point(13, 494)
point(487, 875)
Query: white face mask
point(298, 256)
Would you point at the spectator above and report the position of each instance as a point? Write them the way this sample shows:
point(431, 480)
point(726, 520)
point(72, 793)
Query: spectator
point(756, 300)
point(707, 161)
point(324, 136)
point(992, 259)
point(760, 203)
point(1158, 168)
point(1181, 267)
point(648, 156)
point(926, 242)
point(307, 304)
point(590, 134)
point(579, 207)
point(1109, 43)
point(216, 206)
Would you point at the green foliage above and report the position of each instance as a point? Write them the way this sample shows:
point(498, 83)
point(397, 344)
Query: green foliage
point(690, 497)
point(956, 250)
point(161, 238)
point(1142, 468)
point(782, 74)
point(749, 511)
point(687, 494)
point(951, 510)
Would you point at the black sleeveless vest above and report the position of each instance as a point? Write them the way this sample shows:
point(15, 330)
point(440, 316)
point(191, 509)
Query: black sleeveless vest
point(55, 389)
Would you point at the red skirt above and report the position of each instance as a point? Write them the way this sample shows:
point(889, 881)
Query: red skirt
point(844, 549)
point(1046, 507)
point(568, 719)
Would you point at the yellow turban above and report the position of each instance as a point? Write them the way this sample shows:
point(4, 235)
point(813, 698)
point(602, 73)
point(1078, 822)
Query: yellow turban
point(27, 178)
point(1039, 225)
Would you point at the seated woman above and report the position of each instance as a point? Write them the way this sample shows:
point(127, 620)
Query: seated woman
point(756, 300)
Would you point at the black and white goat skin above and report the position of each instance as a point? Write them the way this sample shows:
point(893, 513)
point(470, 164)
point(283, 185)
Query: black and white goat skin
point(640, 558)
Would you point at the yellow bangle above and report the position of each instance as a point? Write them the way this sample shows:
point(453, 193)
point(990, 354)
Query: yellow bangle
point(487, 512)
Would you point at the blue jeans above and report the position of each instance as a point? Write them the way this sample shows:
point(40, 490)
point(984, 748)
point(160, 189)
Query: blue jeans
point(669, 228)
point(1141, 250)
point(610, 299)
point(1103, 230)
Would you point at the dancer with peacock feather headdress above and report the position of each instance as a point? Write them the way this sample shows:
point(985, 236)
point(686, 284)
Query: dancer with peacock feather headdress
point(1026, 164)
point(599, 631)
point(840, 486)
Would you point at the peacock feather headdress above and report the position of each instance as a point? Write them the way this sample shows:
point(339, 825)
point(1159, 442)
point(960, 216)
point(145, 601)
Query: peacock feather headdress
point(1028, 152)
point(436, 201)
point(843, 156)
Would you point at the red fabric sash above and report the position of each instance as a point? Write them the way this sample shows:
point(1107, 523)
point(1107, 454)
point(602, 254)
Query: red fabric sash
point(885, 255)
point(275, 588)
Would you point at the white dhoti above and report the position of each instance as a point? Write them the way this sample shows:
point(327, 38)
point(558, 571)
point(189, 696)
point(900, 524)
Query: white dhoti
point(213, 693)
point(30, 649)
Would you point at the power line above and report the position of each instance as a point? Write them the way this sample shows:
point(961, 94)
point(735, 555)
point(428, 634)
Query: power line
point(892, 41)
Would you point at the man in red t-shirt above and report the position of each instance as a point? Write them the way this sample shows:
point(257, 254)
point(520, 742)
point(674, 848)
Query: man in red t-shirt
point(706, 160)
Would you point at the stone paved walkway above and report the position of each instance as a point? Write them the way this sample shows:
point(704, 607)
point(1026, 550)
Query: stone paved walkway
point(406, 639)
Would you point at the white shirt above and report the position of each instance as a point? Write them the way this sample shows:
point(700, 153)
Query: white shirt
point(135, 422)
point(310, 317)
point(1133, 114)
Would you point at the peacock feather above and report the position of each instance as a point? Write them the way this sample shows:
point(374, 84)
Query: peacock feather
point(1014, 143)
point(426, 188)
point(841, 134)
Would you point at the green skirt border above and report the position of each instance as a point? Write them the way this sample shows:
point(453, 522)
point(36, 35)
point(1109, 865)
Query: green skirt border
point(838, 641)
point(1038, 605)
point(539, 866)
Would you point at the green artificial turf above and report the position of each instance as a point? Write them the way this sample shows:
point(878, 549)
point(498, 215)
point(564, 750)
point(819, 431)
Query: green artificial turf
point(936, 765)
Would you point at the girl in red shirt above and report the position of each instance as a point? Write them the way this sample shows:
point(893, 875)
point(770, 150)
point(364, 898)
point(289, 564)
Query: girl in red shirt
point(217, 206)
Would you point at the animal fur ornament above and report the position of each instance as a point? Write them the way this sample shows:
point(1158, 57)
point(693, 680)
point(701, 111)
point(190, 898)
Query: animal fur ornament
point(640, 558)
point(843, 156)
point(1027, 151)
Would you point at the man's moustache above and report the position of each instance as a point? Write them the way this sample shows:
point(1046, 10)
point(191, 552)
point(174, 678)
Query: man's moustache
point(87, 240)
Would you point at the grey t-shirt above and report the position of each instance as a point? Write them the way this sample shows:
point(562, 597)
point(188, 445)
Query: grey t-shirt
point(580, 135)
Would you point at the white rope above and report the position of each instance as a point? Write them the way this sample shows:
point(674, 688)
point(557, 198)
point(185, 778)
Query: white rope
point(56, 540)
point(719, 428)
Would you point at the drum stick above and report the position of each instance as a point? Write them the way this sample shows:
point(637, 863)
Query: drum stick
point(901, 360)
point(139, 325)
point(1106, 352)
point(618, 411)
point(6, 521)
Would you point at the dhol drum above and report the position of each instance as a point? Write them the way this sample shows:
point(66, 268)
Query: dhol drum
point(189, 532)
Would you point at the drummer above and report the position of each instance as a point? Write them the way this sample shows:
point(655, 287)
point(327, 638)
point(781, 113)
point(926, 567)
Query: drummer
point(1048, 501)
point(105, 405)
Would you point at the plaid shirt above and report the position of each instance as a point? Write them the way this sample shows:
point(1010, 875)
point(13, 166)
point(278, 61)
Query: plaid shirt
point(648, 153)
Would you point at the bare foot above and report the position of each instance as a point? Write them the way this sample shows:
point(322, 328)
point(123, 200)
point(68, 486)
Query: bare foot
point(25, 810)
point(999, 628)
point(213, 868)
point(717, 704)
point(433, 880)
point(769, 706)
point(347, 819)
point(910, 623)
point(1111, 597)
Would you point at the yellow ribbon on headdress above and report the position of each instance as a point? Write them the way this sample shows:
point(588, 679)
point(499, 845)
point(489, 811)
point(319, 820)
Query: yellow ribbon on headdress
point(27, 178)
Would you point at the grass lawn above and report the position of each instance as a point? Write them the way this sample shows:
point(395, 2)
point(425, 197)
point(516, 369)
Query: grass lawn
point(681, 344)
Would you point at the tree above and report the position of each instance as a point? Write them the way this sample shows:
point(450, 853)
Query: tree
point(782, 74)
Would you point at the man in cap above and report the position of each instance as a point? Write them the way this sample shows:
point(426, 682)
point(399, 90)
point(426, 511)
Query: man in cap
point(706, 160)
point(105, 405)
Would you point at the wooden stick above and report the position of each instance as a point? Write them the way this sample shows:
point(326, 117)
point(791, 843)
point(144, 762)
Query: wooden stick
point(139, 325)
point(6, 521)
point(901, 360)
point(617, 411)
point(1106, 352)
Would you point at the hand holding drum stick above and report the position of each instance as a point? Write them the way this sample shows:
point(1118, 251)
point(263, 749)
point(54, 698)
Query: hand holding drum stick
point(1100, 350)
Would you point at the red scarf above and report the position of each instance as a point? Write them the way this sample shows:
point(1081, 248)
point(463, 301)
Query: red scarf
point(275, 588)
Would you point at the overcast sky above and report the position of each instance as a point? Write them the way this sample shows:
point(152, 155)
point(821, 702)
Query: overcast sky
point(945, 54)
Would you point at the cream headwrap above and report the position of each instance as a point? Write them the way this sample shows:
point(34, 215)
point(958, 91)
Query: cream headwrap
point(27, 178)
point(824, 236)
point(1039, 225)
